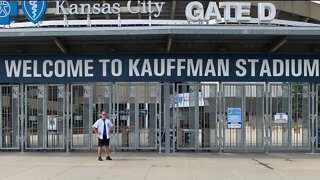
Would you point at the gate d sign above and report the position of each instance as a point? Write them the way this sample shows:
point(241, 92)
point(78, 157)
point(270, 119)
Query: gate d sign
point(195, 11)
point(34, 10)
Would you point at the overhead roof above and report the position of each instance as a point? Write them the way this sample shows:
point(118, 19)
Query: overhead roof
point(296, 30)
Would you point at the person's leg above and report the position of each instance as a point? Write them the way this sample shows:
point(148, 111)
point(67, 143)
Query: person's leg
point(108, 149)
point(99, 149)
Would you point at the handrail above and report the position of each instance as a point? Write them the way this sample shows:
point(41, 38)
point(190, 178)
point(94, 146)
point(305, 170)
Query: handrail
point(146, 22)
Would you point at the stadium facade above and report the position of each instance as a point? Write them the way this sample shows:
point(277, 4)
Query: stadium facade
point(172, 75)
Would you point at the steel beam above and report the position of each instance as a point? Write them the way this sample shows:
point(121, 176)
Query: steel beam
point(60, 45)
point(277, 44)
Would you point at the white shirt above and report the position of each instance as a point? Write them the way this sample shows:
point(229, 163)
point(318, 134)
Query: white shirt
point(99, 124)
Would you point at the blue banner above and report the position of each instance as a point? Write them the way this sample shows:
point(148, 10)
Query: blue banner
point(160, 67)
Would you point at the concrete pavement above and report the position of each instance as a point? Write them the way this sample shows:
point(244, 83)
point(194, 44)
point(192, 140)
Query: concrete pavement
point(154, 166)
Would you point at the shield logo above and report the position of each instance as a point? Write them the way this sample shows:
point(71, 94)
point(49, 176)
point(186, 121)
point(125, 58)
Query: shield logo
point(34, 9)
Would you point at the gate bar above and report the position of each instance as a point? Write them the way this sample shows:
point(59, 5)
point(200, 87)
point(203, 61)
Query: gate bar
point(22, 116)
point(267, 119)
point(313, 114)
point(167, 116)
point(1, 132)
point(67, 118)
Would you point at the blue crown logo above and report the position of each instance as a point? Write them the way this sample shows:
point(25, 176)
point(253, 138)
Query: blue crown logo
point(34, 9)
point(7, 9)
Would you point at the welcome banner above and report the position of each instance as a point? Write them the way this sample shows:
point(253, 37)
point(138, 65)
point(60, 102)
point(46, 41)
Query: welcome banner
point(159, 67)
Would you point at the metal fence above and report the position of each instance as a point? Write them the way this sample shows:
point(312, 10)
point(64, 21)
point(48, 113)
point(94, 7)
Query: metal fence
point(168, 117)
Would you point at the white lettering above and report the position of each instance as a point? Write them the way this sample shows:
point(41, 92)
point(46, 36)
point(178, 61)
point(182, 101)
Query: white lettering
point(159, 7)
point(213, 12)
point(59, 6)
point(194, 11)
point(96, 8)
point(85, 8)
point(239, 65)
point(223, 66)
point(74, 71)
point(227, 6)
point(287, 67)
point(194, 71)
point(59, 64)
point(232, 11)
point(296, 71)
point(116, 8)
point(27, 68)
point(73, 9)
point(243, 11)
point(13, 68)
point(210, 68)
point(278, 71)
point(162, 67)
point(45, 65)
point(170, 67)
point(144, 8)
point(146, 68)
point(35, 69)
point(88, 68)
point(104, 66)
point(253, 66)
point(106, 8)
point(131, 9)
point(116, 63)
point(150, 7)
point(265, 68)
point(311, 71)
point(262, 8)
point(133, 67)
point(180, 66)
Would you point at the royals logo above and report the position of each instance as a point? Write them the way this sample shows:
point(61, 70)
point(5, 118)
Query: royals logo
point(34, 9)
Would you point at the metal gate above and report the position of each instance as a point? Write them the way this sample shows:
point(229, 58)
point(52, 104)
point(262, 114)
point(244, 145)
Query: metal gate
point(196, 112)
point(208, 117)
point(191, 116)
point(243, 124)
point(166, 120)
point(102, 101)
point(317, 122)
point(9, 119)
point(136, 112)
point(81, 116)
point(45, 116)
point(292, 132)
point(187, 118)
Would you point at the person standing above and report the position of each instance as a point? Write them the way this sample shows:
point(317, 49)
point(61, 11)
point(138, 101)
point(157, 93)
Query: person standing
point(103, 129)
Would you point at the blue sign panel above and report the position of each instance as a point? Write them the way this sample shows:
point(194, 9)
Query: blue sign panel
point(234, 118)
point(159, 67)
point(34, 10)
point(7, 9)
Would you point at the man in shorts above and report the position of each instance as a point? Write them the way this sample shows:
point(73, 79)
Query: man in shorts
point(103, 129)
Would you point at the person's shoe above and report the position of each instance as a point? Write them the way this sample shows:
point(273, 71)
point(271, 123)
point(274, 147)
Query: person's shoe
point(100, 159)
point(108, 158)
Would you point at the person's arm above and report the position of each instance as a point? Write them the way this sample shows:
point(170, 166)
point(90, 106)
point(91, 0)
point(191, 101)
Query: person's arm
point(110, 125)
point(95, 129)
